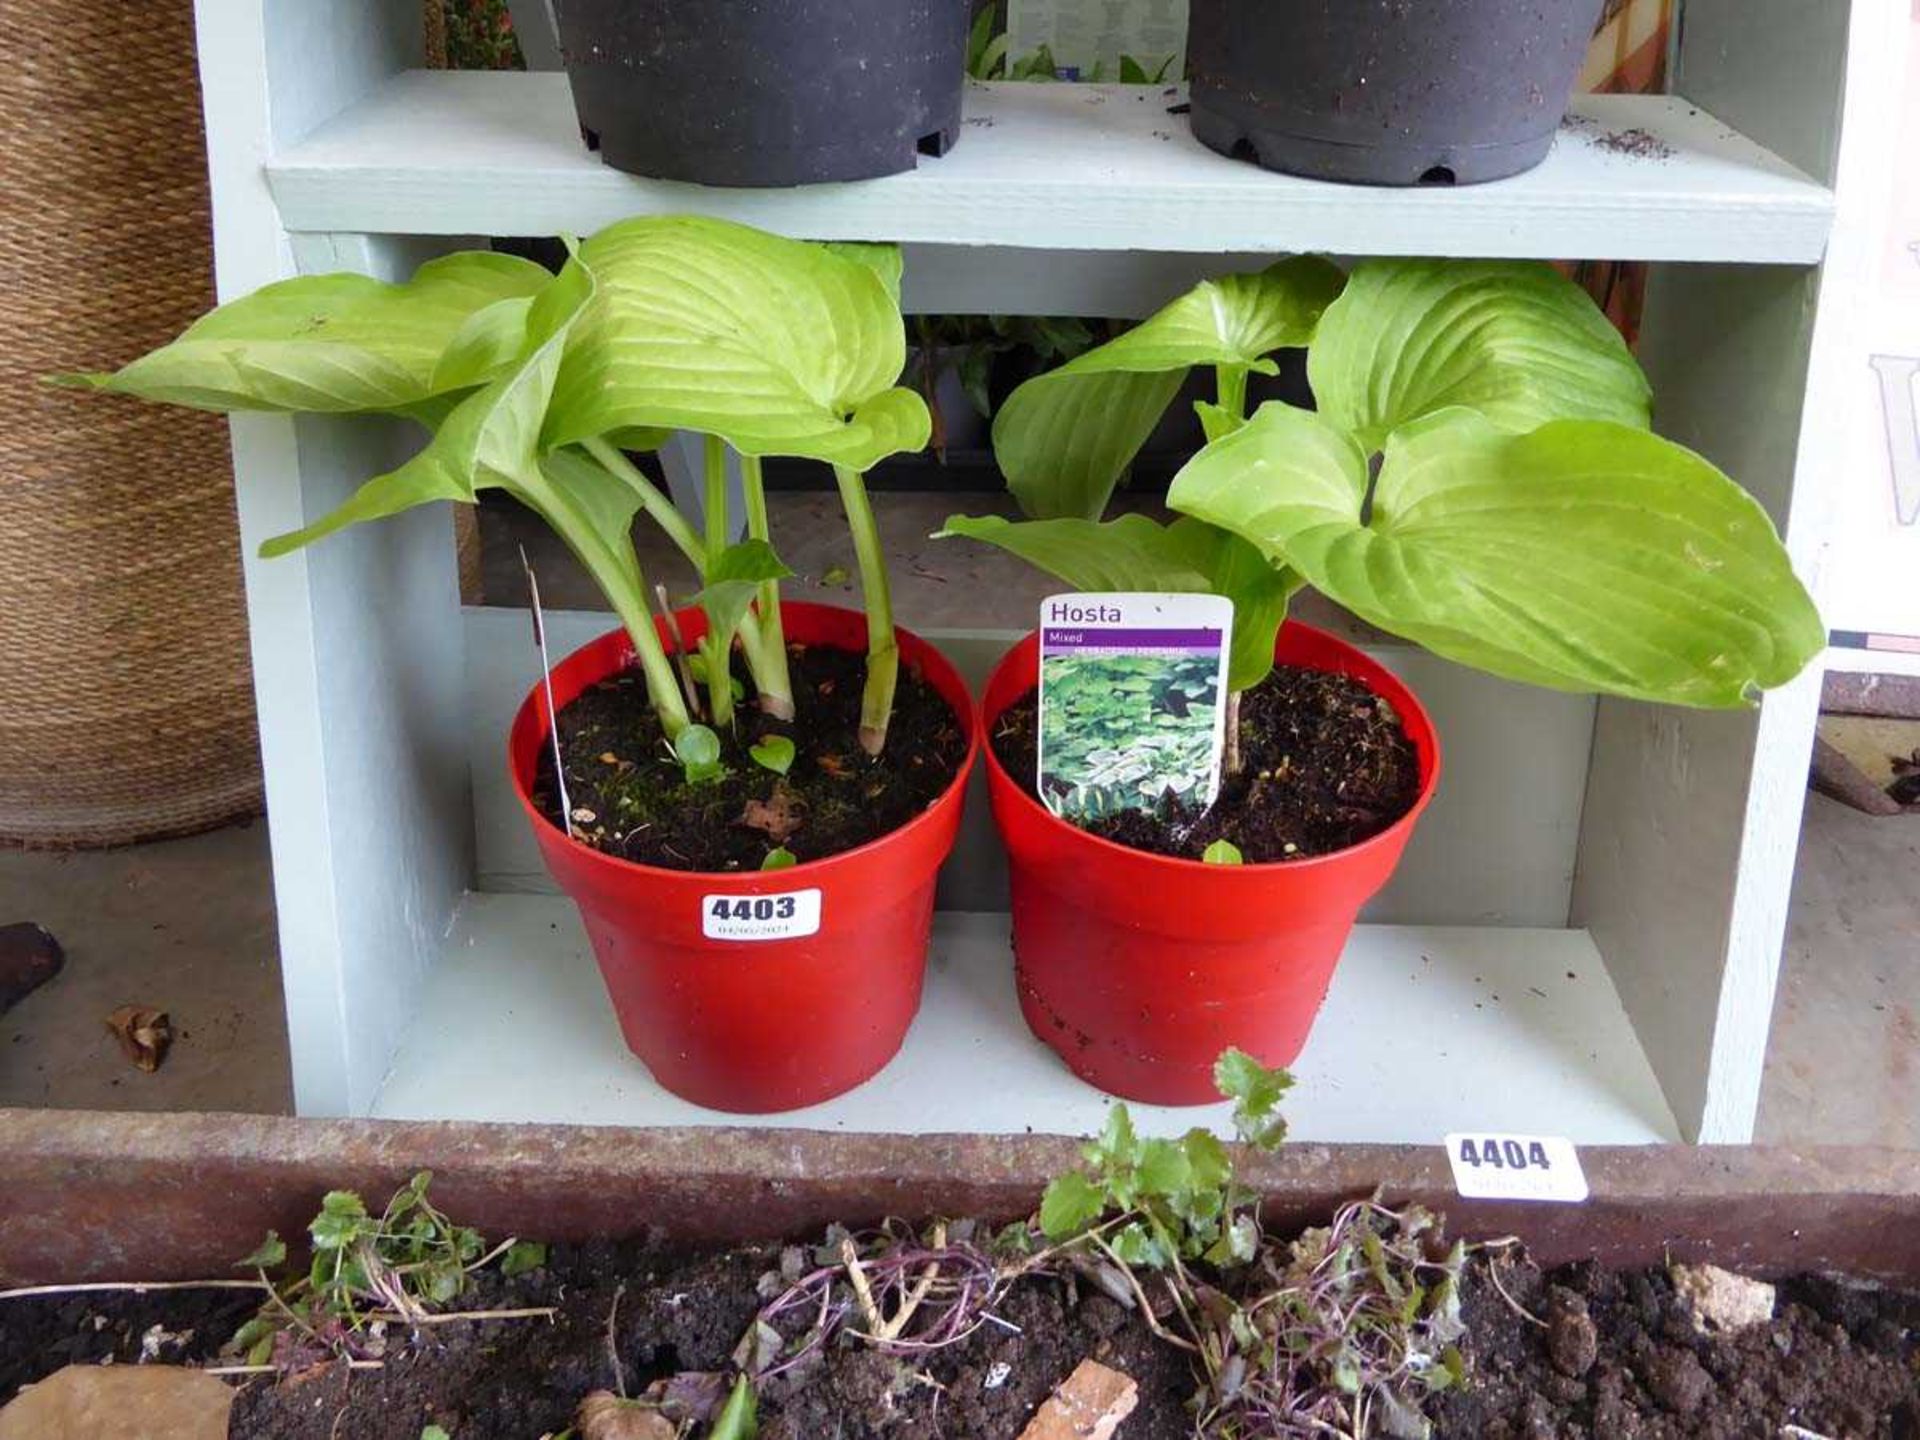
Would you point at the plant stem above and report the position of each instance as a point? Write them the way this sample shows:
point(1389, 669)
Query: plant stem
point(766, 651)
point(719, 659)
point(716, 493)
point(883, 650)
point(616, 569)
point(658, 507)
point(1231, 383)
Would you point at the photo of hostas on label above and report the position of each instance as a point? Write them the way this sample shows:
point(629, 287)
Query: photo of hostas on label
point(1131, 690)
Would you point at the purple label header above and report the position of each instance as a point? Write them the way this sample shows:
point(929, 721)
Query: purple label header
point(1080, 639)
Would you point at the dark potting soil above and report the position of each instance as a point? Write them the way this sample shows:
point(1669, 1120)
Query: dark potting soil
point(1325, 764)
point(171, 1327)
point(1617, 1358)
point(632, 800)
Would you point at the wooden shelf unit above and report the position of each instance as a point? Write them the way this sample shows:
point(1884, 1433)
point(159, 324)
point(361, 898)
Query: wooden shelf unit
point(1649, 850)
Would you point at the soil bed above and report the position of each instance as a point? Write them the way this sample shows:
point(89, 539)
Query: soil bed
point(1326, 764)
point(1617, 1358)
point(834, 798)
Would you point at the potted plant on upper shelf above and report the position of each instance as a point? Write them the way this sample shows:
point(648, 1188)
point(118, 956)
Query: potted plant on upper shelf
point(1479, 478)
point(1412, 94)
point(757, 880)
point(765, 95)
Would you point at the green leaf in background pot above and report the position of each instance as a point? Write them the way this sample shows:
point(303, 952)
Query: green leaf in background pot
point(779, 858)
point(1584, 556)
point(1223, 852)
point(1063, 439)
point(341, 343)
point(1135, 552)
point(705, 325)
point(1513, 339)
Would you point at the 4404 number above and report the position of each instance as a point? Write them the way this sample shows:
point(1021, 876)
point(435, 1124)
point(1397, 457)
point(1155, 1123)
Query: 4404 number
point(1504, 1154)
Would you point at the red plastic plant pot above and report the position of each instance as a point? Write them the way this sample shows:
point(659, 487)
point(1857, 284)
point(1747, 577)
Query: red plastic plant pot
point(1139, 969)
point(754, 1026)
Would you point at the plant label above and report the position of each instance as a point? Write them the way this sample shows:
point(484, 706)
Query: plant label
point(1516, 1167)
point(1138, 41)
point(760, 917)
point(1132, 690)
point(546, 684)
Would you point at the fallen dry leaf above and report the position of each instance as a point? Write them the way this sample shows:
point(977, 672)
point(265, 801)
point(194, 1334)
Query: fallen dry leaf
point(139, 1402)
point(777, 817)
point(144, 1034)
point(605, 1416)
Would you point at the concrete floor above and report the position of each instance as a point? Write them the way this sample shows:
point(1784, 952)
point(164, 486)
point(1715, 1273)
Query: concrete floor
point(187, 925)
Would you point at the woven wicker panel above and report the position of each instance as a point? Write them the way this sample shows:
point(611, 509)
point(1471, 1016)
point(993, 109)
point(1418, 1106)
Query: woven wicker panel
point(126, 707)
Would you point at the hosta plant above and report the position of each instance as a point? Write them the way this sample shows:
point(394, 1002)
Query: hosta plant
point(542, 385)
point(1479, 476)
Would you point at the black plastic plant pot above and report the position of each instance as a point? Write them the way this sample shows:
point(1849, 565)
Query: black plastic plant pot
point(1387, 92)
point(765, 92)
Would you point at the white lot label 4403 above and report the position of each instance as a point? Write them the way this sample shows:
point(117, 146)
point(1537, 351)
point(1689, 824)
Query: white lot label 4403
point(760, 917)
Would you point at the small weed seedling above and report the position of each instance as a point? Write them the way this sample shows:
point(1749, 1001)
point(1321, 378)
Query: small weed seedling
point(403, 1265)
point(773, 752)
point(698, 750)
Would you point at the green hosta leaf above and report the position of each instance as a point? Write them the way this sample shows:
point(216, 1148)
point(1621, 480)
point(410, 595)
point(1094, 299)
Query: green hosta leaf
point(490, 340)
point(1134, 552)
point(1255, 1090)
point(343, 343)
point(1063, 439)
point(777, 346)
point(733, 578)
point(1515, 340)
point(1072, 1202)
point(1584, 556)
point(773, 752)
point(490, 439)
point(738, 1417)
point(1223, 852)
point(886, 261)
